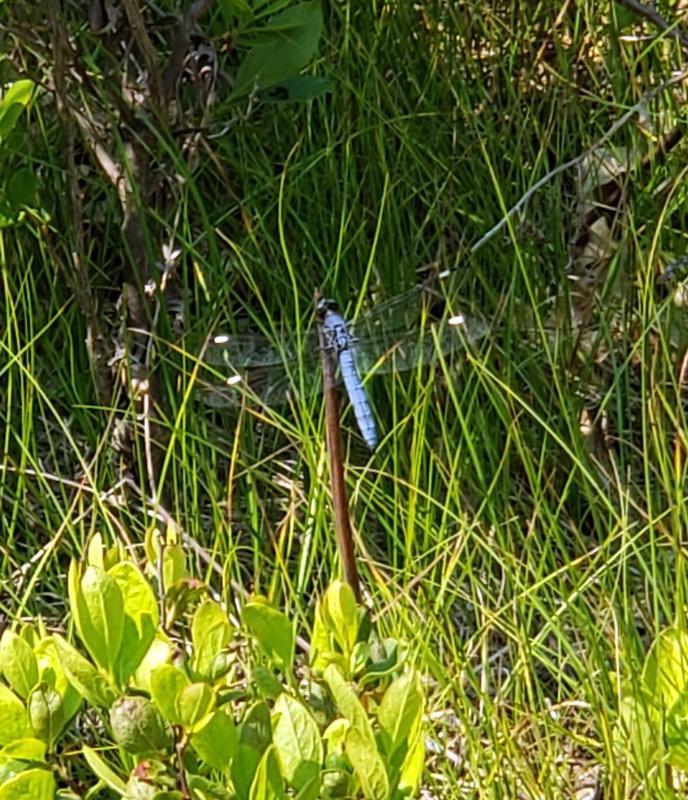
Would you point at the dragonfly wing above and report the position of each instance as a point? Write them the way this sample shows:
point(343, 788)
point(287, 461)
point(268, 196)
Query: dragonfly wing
point(401, 350)
point(252, 366)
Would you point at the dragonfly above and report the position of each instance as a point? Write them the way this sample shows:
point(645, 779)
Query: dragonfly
point(414, 328)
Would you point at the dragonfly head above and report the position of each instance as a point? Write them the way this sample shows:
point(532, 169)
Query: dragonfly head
point(324, 305)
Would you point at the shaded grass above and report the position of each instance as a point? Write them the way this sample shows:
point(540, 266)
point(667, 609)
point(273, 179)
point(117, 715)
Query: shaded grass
point(526, 574)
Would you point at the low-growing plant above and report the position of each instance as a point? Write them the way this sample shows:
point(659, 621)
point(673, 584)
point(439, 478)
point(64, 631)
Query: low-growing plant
point(652, 729)
point(194, 706)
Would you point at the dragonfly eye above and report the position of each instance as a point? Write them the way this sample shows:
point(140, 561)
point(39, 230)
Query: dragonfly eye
point(326, 304)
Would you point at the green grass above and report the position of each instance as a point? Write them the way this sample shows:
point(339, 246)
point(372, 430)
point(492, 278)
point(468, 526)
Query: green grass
point(527, 575)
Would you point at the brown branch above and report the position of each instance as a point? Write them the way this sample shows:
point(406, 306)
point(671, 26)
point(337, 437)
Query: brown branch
point(342, 522)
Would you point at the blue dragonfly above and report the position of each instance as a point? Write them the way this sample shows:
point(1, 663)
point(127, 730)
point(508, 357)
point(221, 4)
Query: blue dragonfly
point(415, 327)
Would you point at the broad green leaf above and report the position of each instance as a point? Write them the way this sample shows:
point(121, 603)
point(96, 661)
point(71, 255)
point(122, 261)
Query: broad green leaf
point(98, 609)
point(297, 740)
point(676, 733)
point(85, 678)
point(340, 615)
point(18, 663)
point(51, 672)
point(167, 683)
point(255, 735)
point(665, 674)
point(400, 714)
point(24, 749)
point(204, 789)
point(13, 716)
point(231, 9)
point(95, 550)
point(160, 652)
point(174, 565)
point(283, 48)
point(17, 92)
point(412, 768)
point(105, 773)
point(348, 704)
point(46, 714)
point(267, 782)
point(367, 764)
point(216, 742)
point(13, 102)
point(273, 631)
point(335, 735)
point(321, 653)
point(32, 784)
point(140, 618)
point(311, 790)
point(298, 89)
point(194, 703)
point(266, 683)
point(637, 732)
point(210, 634)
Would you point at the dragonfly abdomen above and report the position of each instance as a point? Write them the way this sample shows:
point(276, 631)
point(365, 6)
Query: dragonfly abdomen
point(358, 397)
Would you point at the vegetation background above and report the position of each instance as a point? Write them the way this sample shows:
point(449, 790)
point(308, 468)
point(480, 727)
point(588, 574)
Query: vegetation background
point(522, 524)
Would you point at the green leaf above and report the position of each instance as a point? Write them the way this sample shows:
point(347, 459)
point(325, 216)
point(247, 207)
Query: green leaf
point(85, 678)
point(283, 48)
point(103, 772)
point(98, 609)
point(348, 704)
point(320, 653)
point(665, 674)
point(14, 719)
point(255, 735)
point(400, 715)
point(412, 768)
point(51, 671)
point(194, 703)
point(297, 740)
point(676, 733)
point(32, 784)
point(22, 188)
point(159, 653)
point(232, 10)
point(46, 714)
point(298, 89)
point(637, 732)
point(267, 782)
point(340, 614)
point(174, 565)
point(367, 765)
point(210, 633)
point(266, 684)
point(13, 102)
point(216, 742)
point(23, 749)
point(310, 791)
point(140, 618)
point(18, 663)
point(273, 631)
point(167, 682)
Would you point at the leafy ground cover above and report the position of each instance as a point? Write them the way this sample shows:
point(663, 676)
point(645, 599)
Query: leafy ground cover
point(521, 525)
